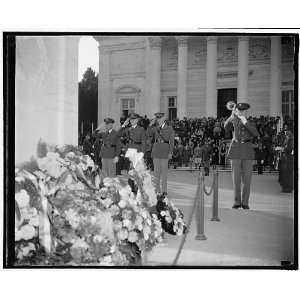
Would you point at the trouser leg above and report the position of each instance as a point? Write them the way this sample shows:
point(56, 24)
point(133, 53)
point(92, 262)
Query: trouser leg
point(112, 169)
point(157, 171)
point(108, 167)
point(164, 174)
point(104, 163)
point(236, 179)
point(246, 179)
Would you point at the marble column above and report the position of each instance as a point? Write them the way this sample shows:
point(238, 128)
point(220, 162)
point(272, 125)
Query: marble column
point(242, 91)
point(211, 77)
point(104, 92)
point(155, 69)
point(275, 80)
point(182, 77)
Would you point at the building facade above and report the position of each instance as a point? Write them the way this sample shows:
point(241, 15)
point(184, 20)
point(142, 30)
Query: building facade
point(195, 76)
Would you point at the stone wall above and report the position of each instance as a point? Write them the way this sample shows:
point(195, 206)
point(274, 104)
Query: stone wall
point(125, 61)
point(46, 84)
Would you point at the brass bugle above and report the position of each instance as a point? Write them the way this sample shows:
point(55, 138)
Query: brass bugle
point(231, 105)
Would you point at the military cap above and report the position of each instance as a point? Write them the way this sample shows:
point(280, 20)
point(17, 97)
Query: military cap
point(159, 115)
point(134, 116)
point(243, 106)
point(108, 120)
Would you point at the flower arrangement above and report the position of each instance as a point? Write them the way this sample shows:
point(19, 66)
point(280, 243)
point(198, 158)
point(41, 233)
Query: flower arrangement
point(67, 213)
point(170, 216)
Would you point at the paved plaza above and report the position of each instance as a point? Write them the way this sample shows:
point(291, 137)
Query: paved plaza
point(262, 236)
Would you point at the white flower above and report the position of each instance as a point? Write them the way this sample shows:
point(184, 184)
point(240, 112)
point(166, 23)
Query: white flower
point(22, 199)
point(34, 221)
point(122, 204)
point(146, 232)
point(162, 213)
point(70, 155)
point(125, 193)
point(80, 243)
point(72, 218)
point(123, 234)
point(114, 210)
point(28, 248)
point(107, 202)
point(132, 237)
point(168, 219)
point(82, 166)
point(105, 222)
point(98, 238)
point(93, 219)
point(126, 223)
point(106, 260)
point(26, 232)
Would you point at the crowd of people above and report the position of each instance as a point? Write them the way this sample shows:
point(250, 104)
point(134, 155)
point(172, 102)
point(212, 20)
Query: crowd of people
point(204, 142)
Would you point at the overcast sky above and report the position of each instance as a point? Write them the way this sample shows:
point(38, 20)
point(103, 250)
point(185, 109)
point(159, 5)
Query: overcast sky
point(88, 55)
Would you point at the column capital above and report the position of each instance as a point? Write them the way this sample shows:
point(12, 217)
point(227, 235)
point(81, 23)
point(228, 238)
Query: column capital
point(243, 38)
point(155, 41)
point(182, 41)
point(212, 39)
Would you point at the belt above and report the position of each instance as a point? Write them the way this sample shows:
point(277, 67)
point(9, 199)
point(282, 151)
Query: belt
point(243, 141)
point(136, 143)
point(109, 145)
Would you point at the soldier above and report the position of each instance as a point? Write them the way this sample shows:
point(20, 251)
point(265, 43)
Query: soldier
point(110, 149)
point(135, 134)
point(286, 160)
point(241, 153)
point(163, 137)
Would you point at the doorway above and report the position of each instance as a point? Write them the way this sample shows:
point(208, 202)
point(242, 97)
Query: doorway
point(225, 95)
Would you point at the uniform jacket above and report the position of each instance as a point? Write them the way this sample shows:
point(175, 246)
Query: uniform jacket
point(163, 138)
point(247, 132)
point(260, 153)
point(111, 145)
point(205, 152)
point(136, 137)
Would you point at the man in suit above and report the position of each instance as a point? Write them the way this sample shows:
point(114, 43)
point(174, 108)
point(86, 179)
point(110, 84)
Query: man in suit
point(135, 134)
point(110, 149)
point(162, 136)
point(241, 153)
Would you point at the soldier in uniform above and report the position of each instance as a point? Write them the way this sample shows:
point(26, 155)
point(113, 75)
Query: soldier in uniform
point(241, 153)
point(163, 143)
point(110, 149)
point(286, 160)
point(135, 134)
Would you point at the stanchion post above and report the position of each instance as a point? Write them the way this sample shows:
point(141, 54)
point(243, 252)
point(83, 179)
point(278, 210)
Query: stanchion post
point(215, 204)
point(200, 209)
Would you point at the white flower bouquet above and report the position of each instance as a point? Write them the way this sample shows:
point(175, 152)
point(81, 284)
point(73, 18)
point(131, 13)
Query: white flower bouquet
point(66, 214)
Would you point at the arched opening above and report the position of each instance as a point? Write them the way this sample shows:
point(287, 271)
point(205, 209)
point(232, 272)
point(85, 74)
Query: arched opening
point(88, 72)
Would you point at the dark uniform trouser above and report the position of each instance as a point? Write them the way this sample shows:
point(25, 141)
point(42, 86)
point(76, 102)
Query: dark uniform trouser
point(108, 167)
point(241, 173)
point(160, 174)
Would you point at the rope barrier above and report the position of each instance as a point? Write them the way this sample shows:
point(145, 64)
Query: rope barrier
point(188, 225)
point(198, 206)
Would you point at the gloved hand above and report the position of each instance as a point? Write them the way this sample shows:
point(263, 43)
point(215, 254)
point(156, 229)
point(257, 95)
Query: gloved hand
point(116, 159)
point(170, 155)
point(243, 119)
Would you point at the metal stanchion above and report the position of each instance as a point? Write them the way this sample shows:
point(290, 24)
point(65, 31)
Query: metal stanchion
point(200, 209)
point(215, 204)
